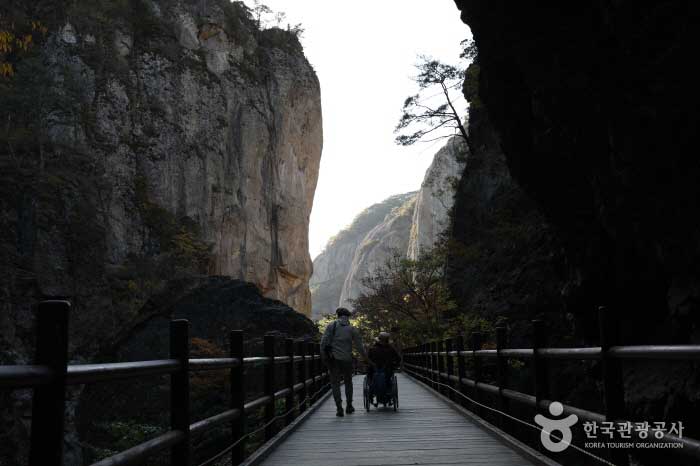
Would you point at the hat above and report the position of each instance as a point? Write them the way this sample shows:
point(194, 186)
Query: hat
point(384, 337)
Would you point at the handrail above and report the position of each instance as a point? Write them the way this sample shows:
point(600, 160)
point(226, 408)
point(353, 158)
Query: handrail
point(684, 352)
point(209, 423)
point(51, 375)
point(24, 376)
point(257, 361)
point(91, 373)
point(427, 361)
point(143, 450)
point(209, 364)
point(28, 376)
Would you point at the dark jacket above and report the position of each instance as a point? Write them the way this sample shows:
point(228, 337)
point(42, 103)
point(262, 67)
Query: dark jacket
point(384, 356)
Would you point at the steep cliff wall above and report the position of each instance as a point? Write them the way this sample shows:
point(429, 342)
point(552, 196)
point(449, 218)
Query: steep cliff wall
point(435, 198)
point(387, 238)
point(595, 116)
point(505, 259)
point(149, 146)
point(332, 266)
point(408, 223)
point(594, 112)
point(190, 145)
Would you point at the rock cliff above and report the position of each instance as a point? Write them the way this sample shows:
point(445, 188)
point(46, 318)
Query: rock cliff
point(504, 260)
point(387, 238)
point(594, 113)
point(409, 224)
point(150, 145)
point(435, 198)
point(597, 124)
point(332, 266)
point(190, 146)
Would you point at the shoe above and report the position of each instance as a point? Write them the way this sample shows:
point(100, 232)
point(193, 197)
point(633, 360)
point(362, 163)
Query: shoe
point(349, 409)
point(340, 412)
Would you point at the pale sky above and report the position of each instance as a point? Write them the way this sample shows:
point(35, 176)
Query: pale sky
point(363, 52)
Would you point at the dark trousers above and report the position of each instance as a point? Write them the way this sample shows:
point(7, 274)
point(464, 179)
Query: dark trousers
point(337, 369)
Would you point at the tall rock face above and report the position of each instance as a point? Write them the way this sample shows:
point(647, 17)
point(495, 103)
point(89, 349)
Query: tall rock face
point(431, 216)
point(189, 144)
point(332, 266)
point(504, 259)
point(154, 144)
point(595, 111)
point(408, 224)
point(595, 114)
point(387, 238)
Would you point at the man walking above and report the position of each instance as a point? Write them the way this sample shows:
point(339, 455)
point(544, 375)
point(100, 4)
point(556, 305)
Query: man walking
point(337, 343)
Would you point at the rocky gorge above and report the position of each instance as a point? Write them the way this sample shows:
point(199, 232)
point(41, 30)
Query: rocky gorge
point(187, 146)
point(409, 224)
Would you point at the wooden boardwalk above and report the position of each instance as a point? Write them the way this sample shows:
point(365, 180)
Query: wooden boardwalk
point(424, 431)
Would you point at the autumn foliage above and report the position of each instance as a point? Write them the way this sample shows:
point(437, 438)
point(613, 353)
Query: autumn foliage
point(16, 40)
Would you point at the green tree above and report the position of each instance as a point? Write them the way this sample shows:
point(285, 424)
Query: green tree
point(436, 105)
point(411, 295)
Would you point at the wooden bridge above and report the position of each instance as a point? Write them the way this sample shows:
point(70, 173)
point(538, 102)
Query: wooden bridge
point(296, 417)
point(426, 430)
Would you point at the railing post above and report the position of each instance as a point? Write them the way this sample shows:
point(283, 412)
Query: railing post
point(320, 370)
point(48, 404)
point(613, 383)
point(312, 352)
point(501, 374)
point(303, 374)
point(539, 364)
point(269, 383)
point(427, 347)
point(539, 369)
point(450, 368)
point(423, 362)
point(289, 380)
point(461, 367)
point(441, 367)
point(476, 346)
point(238, 398)
point(433, 365)
point(180, 391)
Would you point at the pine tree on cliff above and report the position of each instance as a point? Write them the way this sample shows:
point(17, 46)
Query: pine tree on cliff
point(423, 116)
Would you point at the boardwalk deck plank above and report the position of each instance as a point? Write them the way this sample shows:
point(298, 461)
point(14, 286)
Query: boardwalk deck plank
point(424, 431)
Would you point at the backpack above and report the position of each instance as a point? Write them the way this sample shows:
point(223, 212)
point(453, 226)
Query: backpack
point(328, 347)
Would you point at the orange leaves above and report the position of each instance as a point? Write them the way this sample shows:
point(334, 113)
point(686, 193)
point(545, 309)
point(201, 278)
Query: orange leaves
point(38, 27)
point(6, 70)
point(14, 40)
point(7, 40)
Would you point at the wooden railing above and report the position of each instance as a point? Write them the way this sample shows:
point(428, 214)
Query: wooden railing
point(434, 363)
point(50, 375)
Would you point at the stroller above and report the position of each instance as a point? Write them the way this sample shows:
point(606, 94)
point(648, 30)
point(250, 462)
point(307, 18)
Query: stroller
point(381, 390)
